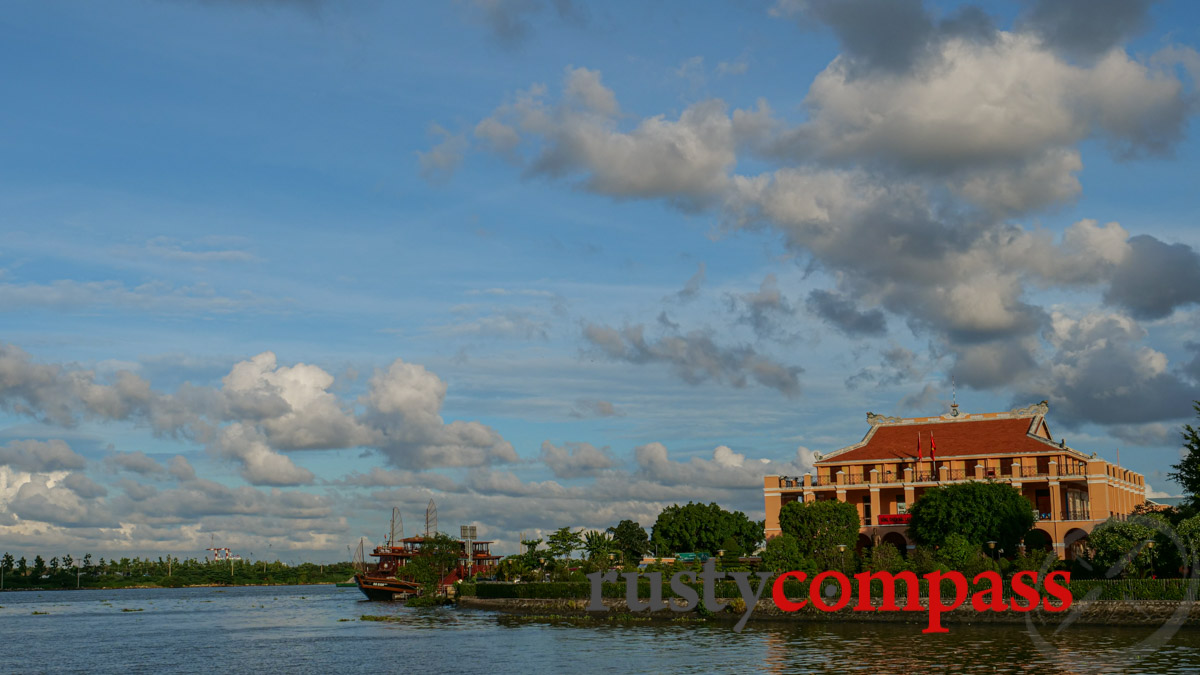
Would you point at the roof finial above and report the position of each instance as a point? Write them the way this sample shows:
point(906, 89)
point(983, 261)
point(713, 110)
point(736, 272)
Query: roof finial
point(953, 397)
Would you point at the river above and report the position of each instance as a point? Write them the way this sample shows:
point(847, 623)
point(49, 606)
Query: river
point(317, 629)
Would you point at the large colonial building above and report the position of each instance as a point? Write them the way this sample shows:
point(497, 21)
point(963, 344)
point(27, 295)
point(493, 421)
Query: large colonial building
point(1069, 492)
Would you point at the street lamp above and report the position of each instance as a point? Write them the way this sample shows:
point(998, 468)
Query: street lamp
point(992, 548)
point(841, 558)
point(1150, 546)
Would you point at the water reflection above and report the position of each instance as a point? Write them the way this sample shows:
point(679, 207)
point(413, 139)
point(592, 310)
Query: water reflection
point(318, 629)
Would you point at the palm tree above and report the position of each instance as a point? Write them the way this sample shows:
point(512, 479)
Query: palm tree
point(598, 545)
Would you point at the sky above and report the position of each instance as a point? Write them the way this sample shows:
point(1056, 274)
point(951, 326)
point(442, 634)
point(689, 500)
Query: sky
point(269, 268)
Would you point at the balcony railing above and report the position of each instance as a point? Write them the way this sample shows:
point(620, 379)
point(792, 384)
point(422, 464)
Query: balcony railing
point(898, 477)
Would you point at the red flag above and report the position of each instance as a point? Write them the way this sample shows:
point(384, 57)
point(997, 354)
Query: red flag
point(932, 448)
point(919, 455)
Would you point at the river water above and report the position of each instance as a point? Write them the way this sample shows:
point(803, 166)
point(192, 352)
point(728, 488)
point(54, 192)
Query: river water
point(317, 629)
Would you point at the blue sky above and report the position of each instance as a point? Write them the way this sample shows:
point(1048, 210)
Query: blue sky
point(270, 268)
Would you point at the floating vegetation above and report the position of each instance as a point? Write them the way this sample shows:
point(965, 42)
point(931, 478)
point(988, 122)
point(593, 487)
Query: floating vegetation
point(340, 620)
point(37, 612)
point(129, 609)
point(376, 617)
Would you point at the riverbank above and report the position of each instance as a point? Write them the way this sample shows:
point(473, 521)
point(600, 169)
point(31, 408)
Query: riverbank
point(1082, 612)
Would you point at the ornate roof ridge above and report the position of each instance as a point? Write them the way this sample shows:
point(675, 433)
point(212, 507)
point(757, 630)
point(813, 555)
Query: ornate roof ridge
point(1034, 410)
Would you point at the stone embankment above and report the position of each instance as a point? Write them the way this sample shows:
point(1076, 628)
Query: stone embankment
point(1085, 613)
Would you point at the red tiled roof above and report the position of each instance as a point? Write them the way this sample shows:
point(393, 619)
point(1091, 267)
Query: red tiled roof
point(953, 438)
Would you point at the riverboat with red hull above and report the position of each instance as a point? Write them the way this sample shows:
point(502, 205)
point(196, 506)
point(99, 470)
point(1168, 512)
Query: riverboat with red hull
point(389, 580)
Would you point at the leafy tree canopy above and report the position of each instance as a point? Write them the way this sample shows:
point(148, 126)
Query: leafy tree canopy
point(563, 541)
point(782, 554)
point(1118, 547)
point(979, 511)
point(631, 539)
point(439, 556)
point(1187, 471)
point(703, 528)
point(820, 526)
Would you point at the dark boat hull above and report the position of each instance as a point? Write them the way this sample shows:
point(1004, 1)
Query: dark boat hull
point(386, 588)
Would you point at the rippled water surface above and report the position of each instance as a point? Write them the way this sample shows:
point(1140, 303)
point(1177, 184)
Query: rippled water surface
point(309, 629)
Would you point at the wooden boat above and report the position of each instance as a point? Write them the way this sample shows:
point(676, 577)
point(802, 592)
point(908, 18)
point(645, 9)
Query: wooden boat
point(387, 581)
point(386, 588)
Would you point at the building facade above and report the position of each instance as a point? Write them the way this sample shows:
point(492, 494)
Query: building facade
point(1069, 492)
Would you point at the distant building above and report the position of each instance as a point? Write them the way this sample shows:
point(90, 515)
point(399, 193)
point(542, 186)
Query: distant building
point(1069, 492)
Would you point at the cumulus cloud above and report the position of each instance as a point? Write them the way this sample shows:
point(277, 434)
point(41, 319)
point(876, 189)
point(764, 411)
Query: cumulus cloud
point(574, 460)
point(1151, 434)
point(1155, 278)
point(292, 404)
point(40, 456)
point(841, 313)
point(765, 310)
point(260, 409)
point(694, 357)
point(84, 487)
point(726, 469)
point(1101, 372)
point(181, 469)
point(1086, 28)
point(260, 464)
point(403, 410)
point(49, 501)
point(684, 160)
point(136, 461)
point(898, 365)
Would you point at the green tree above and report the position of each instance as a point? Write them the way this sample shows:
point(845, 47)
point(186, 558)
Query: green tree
point(885, 558)
point(703, 528)
point(22, 567)
point(7, 562)
point(563, 542)
point(979, 511)
point(782, 554)
point(531, 554)
point(53, 565)
point(1189, 531)
point(598, 545)
point(1118, 547)
point(820, 526)
point(439, 556)
point(39, 566)
point(1187, 471)
point(631, 540)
